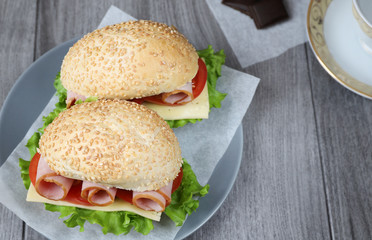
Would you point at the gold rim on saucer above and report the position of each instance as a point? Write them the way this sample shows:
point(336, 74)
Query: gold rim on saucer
point(315, 18)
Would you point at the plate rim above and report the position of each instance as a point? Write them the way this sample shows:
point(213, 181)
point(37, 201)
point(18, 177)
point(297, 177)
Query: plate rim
point(238, 137)
point(324, 64)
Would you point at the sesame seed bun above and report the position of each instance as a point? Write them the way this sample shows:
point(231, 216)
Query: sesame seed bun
point(129, 60)
point(113, 142)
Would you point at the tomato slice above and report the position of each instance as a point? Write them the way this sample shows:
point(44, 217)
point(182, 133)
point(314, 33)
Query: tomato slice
point(198, 84)
point(125, 195)
point(32, 170)
point(72, 102)
point(177, 181)
point(138, 100)
point(74, 195)
point(199, 81)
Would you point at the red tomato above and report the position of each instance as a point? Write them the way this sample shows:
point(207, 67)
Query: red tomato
point(72, 102)
point(138, 100)
point(177, 181)
point(32, 170)
point(125, 195)
point(199, 81)
point(198, 84)
point(74, 195)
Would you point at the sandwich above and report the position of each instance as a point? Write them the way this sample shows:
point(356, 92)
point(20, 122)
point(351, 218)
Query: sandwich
point(146, 62)
point(111, 162)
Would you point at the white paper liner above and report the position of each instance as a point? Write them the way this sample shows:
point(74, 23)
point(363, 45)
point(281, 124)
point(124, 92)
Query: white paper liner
point(203, 144)
point(251, 45)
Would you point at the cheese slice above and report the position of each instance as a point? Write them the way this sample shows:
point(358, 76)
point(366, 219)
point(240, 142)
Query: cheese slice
point(197, 108)
point(118, 205)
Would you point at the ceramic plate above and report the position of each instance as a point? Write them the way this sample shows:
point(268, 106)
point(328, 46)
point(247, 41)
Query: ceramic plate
point(332, 33)
point(33, 91)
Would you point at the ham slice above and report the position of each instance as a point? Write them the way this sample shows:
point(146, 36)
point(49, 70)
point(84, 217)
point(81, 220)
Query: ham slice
point(150, 201)
point(166, 192)
point(49, 184)
point(181, 95)
point(72, 97)
point(153, 200)
point(98, 194)
point(55, 187)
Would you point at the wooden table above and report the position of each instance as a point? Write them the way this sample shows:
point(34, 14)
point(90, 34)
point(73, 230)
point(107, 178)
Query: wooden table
point(306, 171)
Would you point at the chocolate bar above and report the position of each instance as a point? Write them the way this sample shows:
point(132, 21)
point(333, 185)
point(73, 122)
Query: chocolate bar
point(263, 12)
point(240, 5)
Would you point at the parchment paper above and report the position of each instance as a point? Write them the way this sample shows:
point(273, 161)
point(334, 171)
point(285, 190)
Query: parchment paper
point(203, 144)
point(251, 45)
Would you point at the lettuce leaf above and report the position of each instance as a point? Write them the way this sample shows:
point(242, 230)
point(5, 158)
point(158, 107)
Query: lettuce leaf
point(33, 142)
point(60, 105)
point(119, 222)
point(213, 61)
point(181, 122)
point(183, 201)
point(32, 145)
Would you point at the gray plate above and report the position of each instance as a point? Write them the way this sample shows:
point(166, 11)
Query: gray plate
point(32, 92)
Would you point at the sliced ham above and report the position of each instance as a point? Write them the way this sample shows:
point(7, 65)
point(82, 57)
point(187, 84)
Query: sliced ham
point(181, 95)
point(49, 184)
point(153, 200)
point(98, 194)
point(55, 187)
point(72, 97)
point(150, 201)
point(166, 192)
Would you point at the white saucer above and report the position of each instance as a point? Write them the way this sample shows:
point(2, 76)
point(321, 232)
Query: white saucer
point(332, 32)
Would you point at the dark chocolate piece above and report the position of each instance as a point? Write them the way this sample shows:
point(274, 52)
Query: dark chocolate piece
point(267, 12)
point(263, 12)
point(240, 5)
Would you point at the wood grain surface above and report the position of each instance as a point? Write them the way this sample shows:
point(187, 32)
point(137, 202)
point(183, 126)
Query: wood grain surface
point(17, 39)
point(281, 164)
point(344, 125)
point(306, 167)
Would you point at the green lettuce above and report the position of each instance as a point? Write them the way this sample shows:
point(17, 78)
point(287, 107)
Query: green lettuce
point(183, 201)
point(32, 145)
point(213, 61)
point(33, 142)
point(119, 222)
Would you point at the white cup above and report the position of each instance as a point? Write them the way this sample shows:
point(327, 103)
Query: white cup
point(362, 11)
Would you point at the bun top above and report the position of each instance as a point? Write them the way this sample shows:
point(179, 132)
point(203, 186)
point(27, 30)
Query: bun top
point(129, 60)
point(113, 142)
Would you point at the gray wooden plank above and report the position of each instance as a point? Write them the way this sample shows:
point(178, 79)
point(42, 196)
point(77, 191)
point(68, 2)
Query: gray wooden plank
point(59, 21)
point(62, 20)
point(17, 24)
point(11, 227)
point(31, 234)
point(344, 122)
point(279, 193)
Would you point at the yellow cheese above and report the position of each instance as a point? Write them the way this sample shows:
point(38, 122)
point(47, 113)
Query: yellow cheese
point(118, 205)
point(198, 108)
